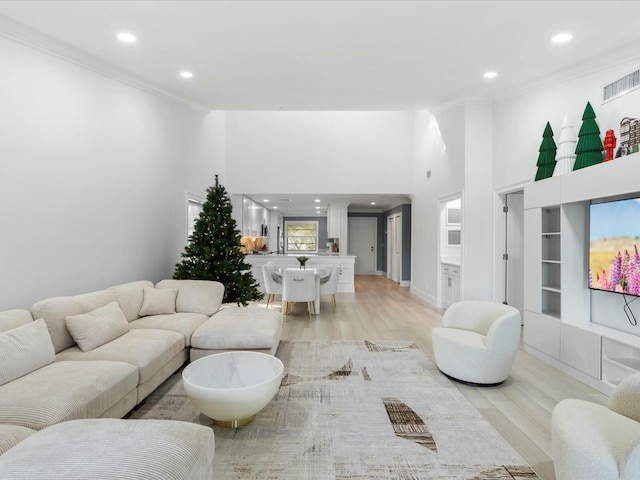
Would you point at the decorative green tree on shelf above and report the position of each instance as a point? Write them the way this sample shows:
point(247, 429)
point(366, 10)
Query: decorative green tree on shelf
point(589, 148)
point(213, 251)
point(547, 155)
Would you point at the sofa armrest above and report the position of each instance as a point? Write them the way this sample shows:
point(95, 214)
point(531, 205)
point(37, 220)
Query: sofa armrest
point(626, 397)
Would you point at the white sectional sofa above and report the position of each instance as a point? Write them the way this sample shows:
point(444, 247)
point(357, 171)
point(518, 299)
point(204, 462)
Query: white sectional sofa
point(99, 354)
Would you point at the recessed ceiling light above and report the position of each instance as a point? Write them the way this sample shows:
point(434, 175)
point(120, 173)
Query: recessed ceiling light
point(275, 208)
point(317, 207)
point(266, 200)
point(126, 37)
point(317, 200)
point(373, 203)
point(561, 38)
point(490, 75)
point(186, 74)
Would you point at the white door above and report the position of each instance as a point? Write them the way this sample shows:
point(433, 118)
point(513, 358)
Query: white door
point(362, 244)
point(394, 247)
point(514, 263)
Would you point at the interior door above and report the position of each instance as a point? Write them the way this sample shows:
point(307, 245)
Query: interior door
point(362, 244)
point(514, 268)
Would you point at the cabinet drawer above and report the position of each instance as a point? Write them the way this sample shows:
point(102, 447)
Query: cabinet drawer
point(451, 269)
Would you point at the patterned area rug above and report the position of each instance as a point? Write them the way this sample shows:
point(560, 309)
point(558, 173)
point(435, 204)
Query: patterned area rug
point(354, 410)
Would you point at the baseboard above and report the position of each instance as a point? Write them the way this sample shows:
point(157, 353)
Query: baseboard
point(405, 283)
point(423, 295)
point(599, 385)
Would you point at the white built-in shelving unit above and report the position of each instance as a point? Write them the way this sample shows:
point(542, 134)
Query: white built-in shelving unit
point(558, 327)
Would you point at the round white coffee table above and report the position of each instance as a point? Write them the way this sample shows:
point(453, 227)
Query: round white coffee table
point(232, 387)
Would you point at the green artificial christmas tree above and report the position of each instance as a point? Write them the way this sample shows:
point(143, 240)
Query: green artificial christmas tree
point(547, 155)
point(213, 251)
point(589, 148)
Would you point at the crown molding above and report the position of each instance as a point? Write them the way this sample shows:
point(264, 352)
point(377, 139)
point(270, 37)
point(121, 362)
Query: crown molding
point(621, 55)
point(33, 38)
point(461, 102)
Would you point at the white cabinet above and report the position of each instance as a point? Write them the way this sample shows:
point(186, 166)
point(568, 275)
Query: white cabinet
point(542, 332)
point(619, 360)
point(450, 284)
point(249, 215)
point(345, 284)
point(580, 349)
point(337, 221)
point(558, 327)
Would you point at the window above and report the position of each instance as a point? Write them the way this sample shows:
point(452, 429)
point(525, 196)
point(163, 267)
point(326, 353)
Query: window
point(301, 236)
point(194, 208)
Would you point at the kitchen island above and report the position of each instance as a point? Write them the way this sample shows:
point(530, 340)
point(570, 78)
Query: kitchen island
point(346, 262)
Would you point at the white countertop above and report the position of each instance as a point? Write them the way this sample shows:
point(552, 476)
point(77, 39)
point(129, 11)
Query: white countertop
point(450, 261)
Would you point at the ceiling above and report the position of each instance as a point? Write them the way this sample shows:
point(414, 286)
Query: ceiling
point(336, 55)
point(331, 55)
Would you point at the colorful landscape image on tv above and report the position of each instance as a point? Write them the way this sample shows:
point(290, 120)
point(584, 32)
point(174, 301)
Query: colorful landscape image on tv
point(614, 238)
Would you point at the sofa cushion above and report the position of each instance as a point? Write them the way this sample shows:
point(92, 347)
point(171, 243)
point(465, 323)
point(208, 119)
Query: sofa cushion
point(95, 328)
point(148, 350)
point(55, 310)
point(196, 296)
point(64, 391)
point(114, 449)
point(129, 296)
point(24, 349)
point(11, 435)
point(14, 318)
point(184, 323)
point(239, 328)
point(158, 301)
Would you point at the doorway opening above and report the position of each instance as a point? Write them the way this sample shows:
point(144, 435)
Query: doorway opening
point(450, 251)
point(510, 254)
point(394, 247)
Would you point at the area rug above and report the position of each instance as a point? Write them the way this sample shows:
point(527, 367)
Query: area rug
point(354, 410)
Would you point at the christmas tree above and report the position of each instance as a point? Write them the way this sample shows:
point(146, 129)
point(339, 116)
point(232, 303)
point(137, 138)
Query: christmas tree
point(213, 251)
point(566, 149)
point(547, 155)
point(589, 149)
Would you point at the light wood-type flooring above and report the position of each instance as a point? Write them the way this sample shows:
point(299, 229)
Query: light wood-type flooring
point(520, 409)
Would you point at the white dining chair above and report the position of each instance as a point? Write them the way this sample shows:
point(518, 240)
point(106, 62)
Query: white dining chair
point(329, 284)
point(272, 281)
point(299, 286)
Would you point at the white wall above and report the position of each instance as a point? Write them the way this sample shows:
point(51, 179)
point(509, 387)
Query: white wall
point(319, 152)
point(93, 175)
point(477, 208)
point(439, 146)
point(519, 122)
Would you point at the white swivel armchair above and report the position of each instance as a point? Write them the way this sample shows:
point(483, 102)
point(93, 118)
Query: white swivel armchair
point(593, 441)
point(329, 285)
point(272, 281)
point(478, 342)
point(299, 286)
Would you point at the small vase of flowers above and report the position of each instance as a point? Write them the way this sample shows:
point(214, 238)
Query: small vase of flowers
point(303, 262)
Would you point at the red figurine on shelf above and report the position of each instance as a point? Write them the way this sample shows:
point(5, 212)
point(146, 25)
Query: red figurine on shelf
point(609, 145)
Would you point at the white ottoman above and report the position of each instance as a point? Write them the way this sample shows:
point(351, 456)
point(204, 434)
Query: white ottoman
point(113, 449)
point(238, 328)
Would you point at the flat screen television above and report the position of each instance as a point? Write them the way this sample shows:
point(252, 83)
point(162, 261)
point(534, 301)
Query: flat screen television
point(614, 239)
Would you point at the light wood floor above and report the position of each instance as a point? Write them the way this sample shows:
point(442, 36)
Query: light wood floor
point(520, 409)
